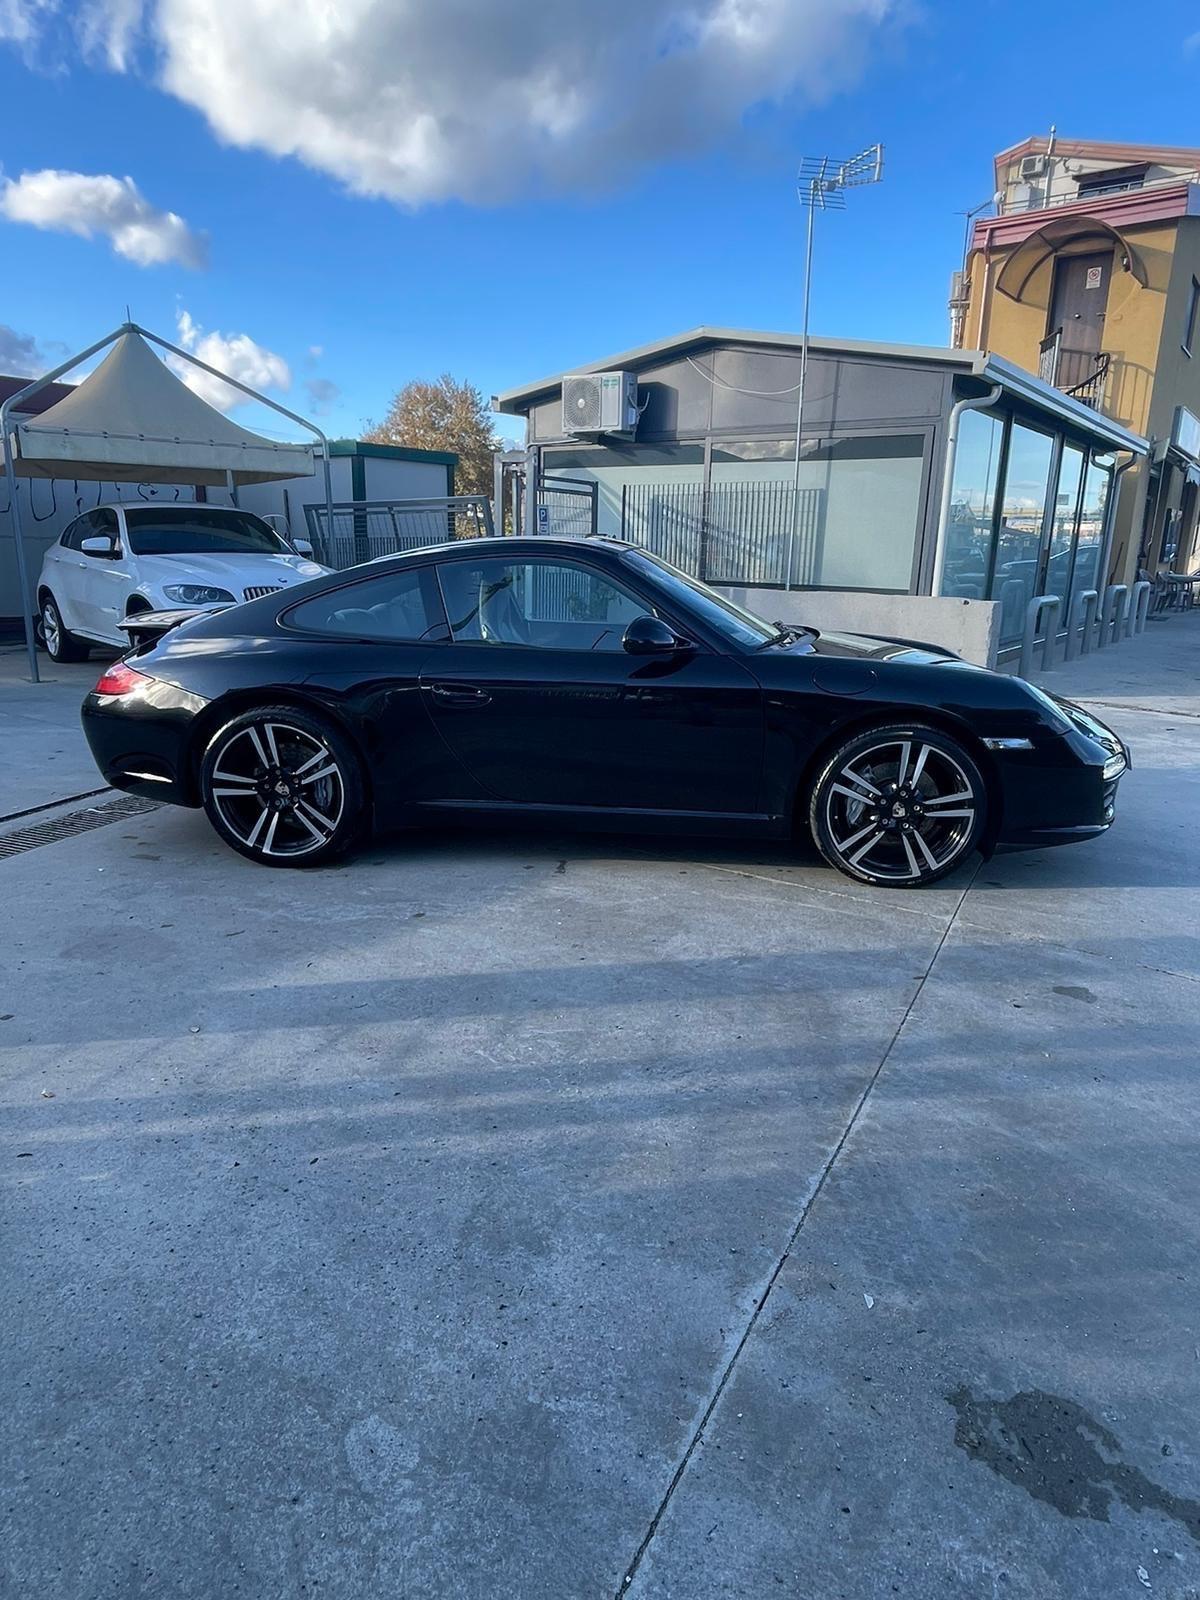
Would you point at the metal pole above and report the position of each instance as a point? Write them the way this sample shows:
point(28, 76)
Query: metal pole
point(14, 505)
point(231, 486)
point(808, 258)
point(10, 405)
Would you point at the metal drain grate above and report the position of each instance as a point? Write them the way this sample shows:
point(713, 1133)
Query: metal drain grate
point(22, 839)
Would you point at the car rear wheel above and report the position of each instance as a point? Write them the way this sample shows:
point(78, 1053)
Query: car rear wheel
point(899, 805)
point(61, 644)
point(284, 787)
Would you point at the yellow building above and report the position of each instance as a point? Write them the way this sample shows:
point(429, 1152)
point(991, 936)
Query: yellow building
point(1089, 275)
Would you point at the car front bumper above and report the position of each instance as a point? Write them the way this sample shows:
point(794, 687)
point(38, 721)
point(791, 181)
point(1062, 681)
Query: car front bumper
point(1062, 791)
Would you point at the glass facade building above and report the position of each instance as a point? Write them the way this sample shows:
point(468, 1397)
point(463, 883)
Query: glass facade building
point(709, 479)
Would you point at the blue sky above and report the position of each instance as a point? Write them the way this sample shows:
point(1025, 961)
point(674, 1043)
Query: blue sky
point(552, 271)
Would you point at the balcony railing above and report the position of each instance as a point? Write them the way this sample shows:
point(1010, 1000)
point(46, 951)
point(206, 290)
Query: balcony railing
point(1080, 373)
point(1038, 200)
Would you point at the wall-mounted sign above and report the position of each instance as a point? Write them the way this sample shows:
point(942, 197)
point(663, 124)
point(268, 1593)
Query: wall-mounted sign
point(543, 519)
point(1095, 278)
point(1185, 435)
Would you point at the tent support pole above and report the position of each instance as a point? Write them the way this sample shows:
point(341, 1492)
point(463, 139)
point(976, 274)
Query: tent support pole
point(231, 485)
point(13, 403)
point(14, 508)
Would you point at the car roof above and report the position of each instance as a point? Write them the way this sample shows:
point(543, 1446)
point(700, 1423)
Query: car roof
point(510, 544)
point(169, 505)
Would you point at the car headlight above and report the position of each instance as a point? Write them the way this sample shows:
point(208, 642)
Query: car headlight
point(1114, 767)
point(195, 594)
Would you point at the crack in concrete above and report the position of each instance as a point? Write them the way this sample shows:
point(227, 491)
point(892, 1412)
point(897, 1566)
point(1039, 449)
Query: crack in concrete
point(761, 1299)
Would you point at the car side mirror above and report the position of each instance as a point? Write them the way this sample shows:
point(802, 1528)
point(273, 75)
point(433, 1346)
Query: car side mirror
point(98, 544)
point(302, 547)
point(650, 636)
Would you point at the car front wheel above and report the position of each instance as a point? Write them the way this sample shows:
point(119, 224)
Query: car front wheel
point(899, 805)
point(284, 787)
point(61, 644)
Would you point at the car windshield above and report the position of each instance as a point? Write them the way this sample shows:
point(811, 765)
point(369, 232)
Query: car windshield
point(731, 622)
point(197, 530)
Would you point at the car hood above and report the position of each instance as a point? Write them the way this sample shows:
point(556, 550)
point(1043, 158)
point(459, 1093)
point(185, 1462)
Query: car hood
point(866, 647)
point(232, 572)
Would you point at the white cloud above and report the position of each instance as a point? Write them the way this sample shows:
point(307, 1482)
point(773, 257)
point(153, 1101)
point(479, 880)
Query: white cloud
point(484, 99)
point(88, 204)
point(21, 20)
point(20, 354)
point(235, 354)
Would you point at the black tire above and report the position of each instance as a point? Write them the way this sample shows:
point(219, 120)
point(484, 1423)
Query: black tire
point(256, 794)
point(60, 643)
point(900, 806)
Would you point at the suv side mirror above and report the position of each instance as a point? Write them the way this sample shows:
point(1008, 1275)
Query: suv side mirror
point(99, 544)
point(650, 636)
point(302, 547)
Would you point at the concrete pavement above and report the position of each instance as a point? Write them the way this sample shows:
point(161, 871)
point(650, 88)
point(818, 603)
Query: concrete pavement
point(503, 1215)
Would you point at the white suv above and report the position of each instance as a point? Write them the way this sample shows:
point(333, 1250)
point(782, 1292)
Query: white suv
point(117, 560)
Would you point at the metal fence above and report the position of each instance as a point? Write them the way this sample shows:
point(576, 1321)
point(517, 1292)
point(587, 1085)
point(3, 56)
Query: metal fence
point(566, 506)
point(735, 533)
point(364, 529)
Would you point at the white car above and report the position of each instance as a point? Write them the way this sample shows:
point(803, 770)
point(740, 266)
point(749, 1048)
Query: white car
point(117, 560)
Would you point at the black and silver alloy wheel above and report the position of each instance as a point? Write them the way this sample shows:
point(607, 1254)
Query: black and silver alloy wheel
point(898, 805)
point(283, 788)
point(61, 644)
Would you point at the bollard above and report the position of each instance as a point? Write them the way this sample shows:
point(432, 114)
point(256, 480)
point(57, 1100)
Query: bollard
point(1110, 621)
point(1041, 605)
point(1085, 603)
point(1139, 607)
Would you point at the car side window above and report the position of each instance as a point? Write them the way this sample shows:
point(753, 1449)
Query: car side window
point(74, 533)
point(98, 524)
point(395, 605)
point(545, 603)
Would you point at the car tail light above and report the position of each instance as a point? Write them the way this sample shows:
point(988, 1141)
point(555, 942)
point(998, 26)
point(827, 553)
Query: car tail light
point(120, 680)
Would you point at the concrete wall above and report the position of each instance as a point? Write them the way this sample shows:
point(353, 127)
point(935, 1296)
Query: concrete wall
point(970, 628)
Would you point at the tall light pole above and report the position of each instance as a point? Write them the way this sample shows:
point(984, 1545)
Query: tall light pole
point(821, 185)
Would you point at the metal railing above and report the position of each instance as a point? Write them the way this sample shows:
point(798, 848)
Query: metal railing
point(1081, 373)
point(736, 533)
point(362, 530)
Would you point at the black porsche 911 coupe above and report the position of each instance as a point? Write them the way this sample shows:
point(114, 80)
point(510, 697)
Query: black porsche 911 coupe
point(585, 680)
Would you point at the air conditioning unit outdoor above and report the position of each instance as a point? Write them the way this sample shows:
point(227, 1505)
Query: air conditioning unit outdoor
point(1032, 167)
point(600, 402)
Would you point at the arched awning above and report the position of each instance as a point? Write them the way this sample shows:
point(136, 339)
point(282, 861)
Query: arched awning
point(1051, 238)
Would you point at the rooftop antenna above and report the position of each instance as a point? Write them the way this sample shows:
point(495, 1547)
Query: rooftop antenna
point(821, 184)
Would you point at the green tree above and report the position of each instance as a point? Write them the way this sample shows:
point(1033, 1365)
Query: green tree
point(446, 415)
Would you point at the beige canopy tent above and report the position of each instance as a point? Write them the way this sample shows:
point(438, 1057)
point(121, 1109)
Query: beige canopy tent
point(133, 420)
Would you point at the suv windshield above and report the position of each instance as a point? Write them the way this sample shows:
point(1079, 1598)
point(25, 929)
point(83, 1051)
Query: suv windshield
point(200, 530)
point(730, 621)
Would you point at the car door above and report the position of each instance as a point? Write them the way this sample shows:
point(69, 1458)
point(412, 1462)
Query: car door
point(103, 578)
point(540, 702)
point(63, 573)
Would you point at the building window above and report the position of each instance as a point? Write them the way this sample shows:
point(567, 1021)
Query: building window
point(1097, 486)
point(1019, 536)
point(855, 524)
point(973, 505)
point(627, 476)
point(1193, 315)
point(1064, 526)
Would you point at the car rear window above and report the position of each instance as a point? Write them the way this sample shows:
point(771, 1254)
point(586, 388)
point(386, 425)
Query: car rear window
point(398, 605)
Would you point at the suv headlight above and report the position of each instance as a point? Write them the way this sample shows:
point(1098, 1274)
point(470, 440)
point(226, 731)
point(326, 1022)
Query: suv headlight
point(1114, 767)
point(195, 594)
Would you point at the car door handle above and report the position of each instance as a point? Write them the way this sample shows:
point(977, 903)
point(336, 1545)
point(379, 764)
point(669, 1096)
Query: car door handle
point(461, 694)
